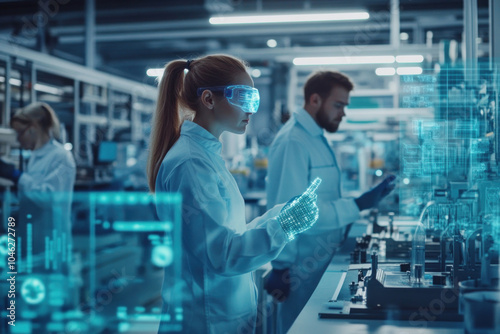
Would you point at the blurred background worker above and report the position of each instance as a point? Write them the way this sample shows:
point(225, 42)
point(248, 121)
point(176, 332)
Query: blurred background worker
point(45, 188)
point(300, 153)
point(219, 250)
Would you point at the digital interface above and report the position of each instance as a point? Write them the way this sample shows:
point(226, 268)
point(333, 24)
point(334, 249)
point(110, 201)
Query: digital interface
point(457, 146)
point(115, 269)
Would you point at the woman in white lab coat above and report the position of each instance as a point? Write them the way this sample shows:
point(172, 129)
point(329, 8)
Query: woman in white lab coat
point(219, 249)
point(45, 188)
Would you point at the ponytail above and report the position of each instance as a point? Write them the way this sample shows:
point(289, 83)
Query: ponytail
point(53, 126)
point(177, 91)
point(165, 128)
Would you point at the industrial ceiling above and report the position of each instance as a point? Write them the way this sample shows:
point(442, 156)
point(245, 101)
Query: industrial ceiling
point(132, 36)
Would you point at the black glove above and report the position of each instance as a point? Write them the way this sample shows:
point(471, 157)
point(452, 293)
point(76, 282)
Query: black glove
point(8, 171)
point(278, 284)
point(371, 198)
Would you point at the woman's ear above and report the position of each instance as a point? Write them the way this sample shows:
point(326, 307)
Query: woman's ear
point(207, 98)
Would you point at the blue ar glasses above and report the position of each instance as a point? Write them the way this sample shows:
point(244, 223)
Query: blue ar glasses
point(245, 97)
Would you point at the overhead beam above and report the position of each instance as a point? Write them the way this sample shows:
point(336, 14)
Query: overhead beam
point(360, 29)
point(50, 64)
point(90, 50)
point(495, 31)
point(287, 54)
point(203, 23)
point(470, 37)
point(395, 24)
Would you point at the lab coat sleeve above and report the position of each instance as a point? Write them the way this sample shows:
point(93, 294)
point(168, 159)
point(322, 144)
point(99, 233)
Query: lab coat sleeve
point(259, 222)
point(208, 234)
point(59, 179)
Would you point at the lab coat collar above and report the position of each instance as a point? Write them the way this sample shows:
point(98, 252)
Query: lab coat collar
point(306, 120)
point(201, 136)
point(45, 149)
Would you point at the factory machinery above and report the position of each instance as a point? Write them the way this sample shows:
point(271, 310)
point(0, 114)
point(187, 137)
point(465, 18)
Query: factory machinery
point(442, 265)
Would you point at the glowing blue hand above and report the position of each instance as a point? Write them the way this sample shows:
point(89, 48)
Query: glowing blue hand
point(300, 213)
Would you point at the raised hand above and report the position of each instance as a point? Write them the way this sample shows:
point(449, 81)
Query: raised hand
point(300, 213)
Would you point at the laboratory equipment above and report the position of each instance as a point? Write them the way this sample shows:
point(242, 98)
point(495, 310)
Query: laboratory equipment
point(7, 140)
point(106, 152)
point(445, 264)
point(418, 254)
point(481, 312)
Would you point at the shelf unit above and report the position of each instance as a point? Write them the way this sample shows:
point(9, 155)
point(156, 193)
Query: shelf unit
point(93, 106)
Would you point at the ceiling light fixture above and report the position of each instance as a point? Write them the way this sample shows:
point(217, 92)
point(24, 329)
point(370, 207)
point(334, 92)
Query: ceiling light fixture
point(409, 70)
point(386, 71)
point(344, 60)
point(48, 89)
point(272, 43)
point(382, 71)
point(12, 81)
point(38, 86)
point(410, 59)
point(282, 18)
point(155, 72)
point(358, 60)
point(256, 73)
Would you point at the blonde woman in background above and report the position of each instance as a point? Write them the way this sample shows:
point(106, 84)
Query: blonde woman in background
point(45, 188)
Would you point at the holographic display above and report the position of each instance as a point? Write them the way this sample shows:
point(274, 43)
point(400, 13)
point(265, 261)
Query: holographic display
point(456, 145)
point(112, 267)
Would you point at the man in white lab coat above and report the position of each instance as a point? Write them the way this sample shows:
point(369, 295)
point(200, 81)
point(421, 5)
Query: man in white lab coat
point(299, 153)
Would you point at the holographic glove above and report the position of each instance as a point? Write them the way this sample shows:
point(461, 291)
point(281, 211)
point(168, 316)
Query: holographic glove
point(300, 213)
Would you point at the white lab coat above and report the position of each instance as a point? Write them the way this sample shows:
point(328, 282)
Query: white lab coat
point(299, 154)
point(45, 193)
point(219, 249)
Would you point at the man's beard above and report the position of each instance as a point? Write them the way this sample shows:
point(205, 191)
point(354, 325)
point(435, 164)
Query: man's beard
point(323, 121)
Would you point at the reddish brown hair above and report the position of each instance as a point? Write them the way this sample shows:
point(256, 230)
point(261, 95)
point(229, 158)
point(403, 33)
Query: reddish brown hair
point(176, 91)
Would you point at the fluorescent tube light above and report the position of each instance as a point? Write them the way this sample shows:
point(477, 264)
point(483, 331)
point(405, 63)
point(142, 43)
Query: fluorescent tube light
point(39, 87)
point(409, 70)
point(400, 71)
point(154, 72)
point(281, 18)
point(344, 60)
point(48, 89)
point(410, 59)
point(385, 71)
point(12, 81)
